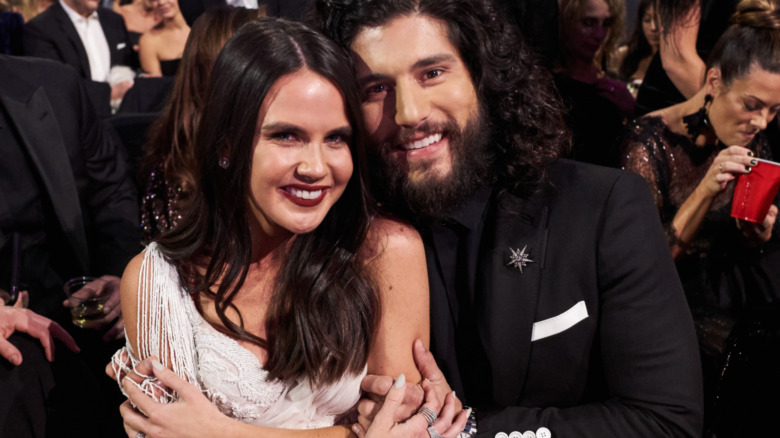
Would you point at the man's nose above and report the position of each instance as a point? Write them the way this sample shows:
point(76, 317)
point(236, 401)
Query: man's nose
point(411, 105)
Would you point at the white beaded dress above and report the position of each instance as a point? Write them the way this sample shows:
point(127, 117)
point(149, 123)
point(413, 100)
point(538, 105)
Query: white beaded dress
point(170, 327)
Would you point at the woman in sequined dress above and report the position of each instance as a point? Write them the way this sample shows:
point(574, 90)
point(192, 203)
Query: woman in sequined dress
point(168, 164)
point(691, 153)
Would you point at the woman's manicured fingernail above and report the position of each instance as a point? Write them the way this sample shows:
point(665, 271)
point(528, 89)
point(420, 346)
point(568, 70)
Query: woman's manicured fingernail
point(156, 364)
point(749, 169)
point(355, 429)
point(400, 381)
point(753, 162)
point(468, 412)
point(750, 153)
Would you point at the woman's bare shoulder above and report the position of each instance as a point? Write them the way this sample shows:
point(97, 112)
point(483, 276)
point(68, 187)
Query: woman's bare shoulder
point(388, 233)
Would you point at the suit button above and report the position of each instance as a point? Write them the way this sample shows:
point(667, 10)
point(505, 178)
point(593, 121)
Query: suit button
point(529, 434)
point(501, 435)
point(543, 432)
point(515, 434)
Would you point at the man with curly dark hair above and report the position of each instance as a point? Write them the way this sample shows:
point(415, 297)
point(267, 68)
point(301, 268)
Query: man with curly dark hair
point(555, 306)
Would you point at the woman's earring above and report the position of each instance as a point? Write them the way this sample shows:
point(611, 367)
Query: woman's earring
point(224, 162)
point(699, 120)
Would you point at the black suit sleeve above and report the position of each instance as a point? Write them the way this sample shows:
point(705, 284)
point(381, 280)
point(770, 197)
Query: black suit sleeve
point(108, 193)
point(646, 343)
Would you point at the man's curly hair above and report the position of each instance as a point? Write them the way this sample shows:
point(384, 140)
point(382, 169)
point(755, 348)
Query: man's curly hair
point(525, 116)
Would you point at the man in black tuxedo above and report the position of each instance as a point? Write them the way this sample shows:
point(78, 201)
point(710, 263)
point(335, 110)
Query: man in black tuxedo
point(66, 191)
point(52, 34)
point(555, 305)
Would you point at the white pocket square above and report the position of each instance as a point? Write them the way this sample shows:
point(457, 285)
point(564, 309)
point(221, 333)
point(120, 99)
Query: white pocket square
point(556, 324)
point(121, 46)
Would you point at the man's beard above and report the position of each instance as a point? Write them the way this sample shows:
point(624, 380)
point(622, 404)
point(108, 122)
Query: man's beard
point(433, 196)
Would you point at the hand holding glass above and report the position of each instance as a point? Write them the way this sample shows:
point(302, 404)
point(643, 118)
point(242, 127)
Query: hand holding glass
point(86, 303)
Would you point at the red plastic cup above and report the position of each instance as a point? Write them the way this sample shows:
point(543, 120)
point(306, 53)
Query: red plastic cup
point(755, 192)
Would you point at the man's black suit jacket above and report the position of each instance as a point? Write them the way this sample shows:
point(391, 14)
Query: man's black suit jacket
point(614, 352)
point(81, 164)
point(51, 35)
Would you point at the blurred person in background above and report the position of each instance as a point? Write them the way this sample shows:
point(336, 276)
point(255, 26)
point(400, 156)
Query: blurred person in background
point(598, 104)
point(161, 48)
point(634, 58)
point(140, 16)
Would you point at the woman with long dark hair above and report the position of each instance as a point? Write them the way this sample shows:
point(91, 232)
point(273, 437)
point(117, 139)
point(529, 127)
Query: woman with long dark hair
point(642, 45)
point(281, 286)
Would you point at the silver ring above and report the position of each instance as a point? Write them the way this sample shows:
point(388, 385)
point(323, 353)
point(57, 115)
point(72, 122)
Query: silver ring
point(140, 434)
point(428, 413)
point(432, 432)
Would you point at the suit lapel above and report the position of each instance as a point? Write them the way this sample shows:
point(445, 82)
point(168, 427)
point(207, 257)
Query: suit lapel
point(73, 39)
point(40, 135)
point(507, 304)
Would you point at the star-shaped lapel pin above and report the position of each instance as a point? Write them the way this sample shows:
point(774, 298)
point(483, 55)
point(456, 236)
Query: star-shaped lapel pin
point(519, 258)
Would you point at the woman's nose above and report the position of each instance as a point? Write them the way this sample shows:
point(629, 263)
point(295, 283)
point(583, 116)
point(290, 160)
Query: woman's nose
point(312, 165)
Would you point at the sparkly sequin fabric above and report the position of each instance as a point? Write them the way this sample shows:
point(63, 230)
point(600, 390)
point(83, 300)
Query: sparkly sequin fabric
point(711, 271)
point(673, 166)
point(159, 206)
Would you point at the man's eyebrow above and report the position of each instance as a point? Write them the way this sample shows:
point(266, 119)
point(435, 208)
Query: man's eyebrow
point(435, 59)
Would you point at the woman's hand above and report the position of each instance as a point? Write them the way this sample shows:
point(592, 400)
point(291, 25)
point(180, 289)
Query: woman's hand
point(728, 164)
point(756, 234)
point(385, 426)
point(192, 415)
point(376, 389)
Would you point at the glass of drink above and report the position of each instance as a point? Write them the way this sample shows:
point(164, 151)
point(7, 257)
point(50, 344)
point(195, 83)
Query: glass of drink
point(86, 304)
